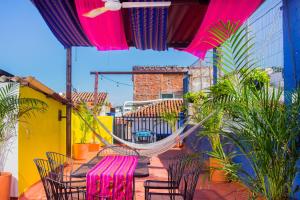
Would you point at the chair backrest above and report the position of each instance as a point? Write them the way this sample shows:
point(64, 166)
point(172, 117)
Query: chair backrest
point(58, 162)
point(175, 172)
point(188, 185)
point(44, 170)
point(117, 150)
point(63, 191)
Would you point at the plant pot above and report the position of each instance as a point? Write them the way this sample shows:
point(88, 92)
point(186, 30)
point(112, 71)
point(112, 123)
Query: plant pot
point(80, 151)
point(94, 147)
point(5, 182)
point(216, 175)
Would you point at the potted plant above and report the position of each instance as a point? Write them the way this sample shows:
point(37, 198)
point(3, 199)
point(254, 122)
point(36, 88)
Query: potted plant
point(81, 147)
point(12, 109)
point(96, 110)
point(172, 118)
point(263, 127)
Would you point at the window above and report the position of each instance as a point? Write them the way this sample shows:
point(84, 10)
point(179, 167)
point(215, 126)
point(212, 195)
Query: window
point(167, 95)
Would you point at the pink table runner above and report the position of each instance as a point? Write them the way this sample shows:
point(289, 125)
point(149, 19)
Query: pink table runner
point(112, 176)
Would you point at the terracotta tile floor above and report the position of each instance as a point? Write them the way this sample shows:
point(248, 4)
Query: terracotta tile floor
point(204, 190)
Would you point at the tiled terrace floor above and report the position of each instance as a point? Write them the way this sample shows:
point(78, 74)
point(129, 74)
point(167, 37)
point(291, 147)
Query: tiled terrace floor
point(205, 189)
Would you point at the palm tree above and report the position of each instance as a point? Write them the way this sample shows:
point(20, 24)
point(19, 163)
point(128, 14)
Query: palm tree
point(263, 128)
point(12, 109)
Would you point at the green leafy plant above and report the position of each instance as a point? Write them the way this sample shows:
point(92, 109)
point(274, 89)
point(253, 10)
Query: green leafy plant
point(13, 109)
point(87, 119)
point(171, 118)
point(194, 97)
point(257, 121)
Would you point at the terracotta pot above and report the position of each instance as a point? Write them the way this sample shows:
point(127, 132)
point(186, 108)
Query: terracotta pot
point(80, 151)
point(94, 147)
point(5, 181)
point(216, 175)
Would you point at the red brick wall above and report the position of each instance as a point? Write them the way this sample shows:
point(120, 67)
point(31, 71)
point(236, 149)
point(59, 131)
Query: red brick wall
point(150, 86)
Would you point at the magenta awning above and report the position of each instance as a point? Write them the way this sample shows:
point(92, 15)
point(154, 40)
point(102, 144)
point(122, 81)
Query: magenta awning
point(105, 32)
point(115, 30)
point(235, 11)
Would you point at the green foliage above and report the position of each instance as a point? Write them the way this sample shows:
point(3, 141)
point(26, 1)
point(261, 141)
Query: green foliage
point(194, 97)
point(257, 121)
point(257, 78)
point(14, 109)
point(87, 119)
point(171, 118)
point(230, 168)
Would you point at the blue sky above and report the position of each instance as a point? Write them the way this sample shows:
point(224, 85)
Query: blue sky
point(28, 48)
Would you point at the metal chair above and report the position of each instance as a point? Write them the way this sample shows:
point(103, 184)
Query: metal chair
point(63, 190)
point(178, 165)
point(60, 163)
point(117, 150)
point(46, 174)
point(186, 189)
point(44, 170)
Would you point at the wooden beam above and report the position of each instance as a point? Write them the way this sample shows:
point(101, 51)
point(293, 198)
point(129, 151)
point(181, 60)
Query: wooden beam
point(69, 100)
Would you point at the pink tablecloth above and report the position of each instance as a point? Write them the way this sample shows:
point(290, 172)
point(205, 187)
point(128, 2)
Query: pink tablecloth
point(112, 176)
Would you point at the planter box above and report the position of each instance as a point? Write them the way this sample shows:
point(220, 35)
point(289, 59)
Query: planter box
point(80, 151)
point(5, 182)
point(216, 175)
point(94, 147)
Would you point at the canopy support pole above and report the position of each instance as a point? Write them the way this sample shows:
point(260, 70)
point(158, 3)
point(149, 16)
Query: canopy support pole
point(291, 45)
point(215, 66)
point(69, 100)
point(96, 88)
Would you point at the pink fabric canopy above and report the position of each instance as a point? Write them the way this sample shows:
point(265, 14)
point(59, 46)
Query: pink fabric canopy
point(235, 11)
point(105, 31)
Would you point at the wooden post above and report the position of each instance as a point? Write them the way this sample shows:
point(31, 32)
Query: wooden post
point(95, 101)
point(96, 89)
point(69, 100)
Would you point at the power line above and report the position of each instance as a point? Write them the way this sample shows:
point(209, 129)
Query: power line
point(114, 81)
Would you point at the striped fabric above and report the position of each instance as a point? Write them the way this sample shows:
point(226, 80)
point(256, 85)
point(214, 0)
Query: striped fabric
point(106, 31)
point(149, 27)
point(112, 177)
point(61, 17)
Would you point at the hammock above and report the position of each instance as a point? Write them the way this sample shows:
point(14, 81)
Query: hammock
point(151, 149)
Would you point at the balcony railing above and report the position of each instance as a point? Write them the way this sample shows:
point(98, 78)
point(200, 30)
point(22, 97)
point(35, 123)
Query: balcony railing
point(124, 127)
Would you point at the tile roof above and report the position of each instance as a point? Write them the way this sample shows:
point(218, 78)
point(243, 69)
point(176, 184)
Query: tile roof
point(169, 68)
point(158, 109)
point(87, 97)
point(160, 68)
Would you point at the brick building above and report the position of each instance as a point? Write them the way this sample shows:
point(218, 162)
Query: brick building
point(159, 86)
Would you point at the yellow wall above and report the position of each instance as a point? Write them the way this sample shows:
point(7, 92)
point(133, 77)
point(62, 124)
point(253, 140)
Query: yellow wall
point(41, 133)
point(77, 133)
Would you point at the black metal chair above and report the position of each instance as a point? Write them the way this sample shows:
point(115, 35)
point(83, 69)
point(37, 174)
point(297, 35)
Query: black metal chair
point(185, 191)
point(177, 166)
point(175, 172)
point(117, 150)
point(62, 165)
point(44, 170)
point(62, 190)
point(48, 177)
